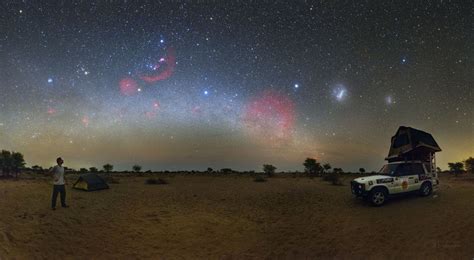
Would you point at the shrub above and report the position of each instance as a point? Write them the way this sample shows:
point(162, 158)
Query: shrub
point(156, 181)
point(259, 178)
point(333, 178)
point(226, 170)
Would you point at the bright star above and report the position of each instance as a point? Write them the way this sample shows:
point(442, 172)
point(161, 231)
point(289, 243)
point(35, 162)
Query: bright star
point(297, 86)
point(50, 80)
point(162, 41)
point(206, 92)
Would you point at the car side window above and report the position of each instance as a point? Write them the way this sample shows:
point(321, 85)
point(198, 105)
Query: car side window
point(418, 169)
point(403, 170)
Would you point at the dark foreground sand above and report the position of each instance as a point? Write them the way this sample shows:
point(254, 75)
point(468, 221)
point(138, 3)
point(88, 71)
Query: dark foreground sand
point(233, 218)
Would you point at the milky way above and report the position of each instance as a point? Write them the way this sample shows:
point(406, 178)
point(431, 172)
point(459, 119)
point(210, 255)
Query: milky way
point(191, 85)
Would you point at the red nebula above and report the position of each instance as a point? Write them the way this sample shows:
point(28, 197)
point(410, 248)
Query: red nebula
point(85, 121)
point(128, 86)
point(51, 111)
point(170, 64)
point(270, 115)
point(155, 108)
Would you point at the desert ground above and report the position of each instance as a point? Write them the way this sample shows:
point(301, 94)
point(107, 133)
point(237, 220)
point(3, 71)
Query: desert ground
point(233, 217)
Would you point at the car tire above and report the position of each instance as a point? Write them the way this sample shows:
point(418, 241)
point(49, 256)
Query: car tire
point(378, 197)
point(426, 189)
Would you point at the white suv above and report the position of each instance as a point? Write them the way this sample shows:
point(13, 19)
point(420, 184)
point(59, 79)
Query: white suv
point(393, 179)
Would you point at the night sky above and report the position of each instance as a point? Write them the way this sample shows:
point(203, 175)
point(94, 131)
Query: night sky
point(197, 84)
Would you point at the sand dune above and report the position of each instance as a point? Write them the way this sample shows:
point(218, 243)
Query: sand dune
point(232, 217)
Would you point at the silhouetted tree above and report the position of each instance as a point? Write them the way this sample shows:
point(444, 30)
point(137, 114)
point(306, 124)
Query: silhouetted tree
point(361, 170)
point(209, 170)
point(469, 163)
point(83, 170)
point(326, 167)
point(338, 170)
point(11, 162)
point(311, 166)
point(108, 167)
point(136, 168)
point(269, 170)
point(456, 168)
point(18, 162)
point(438, 170)
point(93, 169)
point(5, 162)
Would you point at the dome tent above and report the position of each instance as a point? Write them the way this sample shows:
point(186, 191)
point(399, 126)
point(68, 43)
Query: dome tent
point(90, 182)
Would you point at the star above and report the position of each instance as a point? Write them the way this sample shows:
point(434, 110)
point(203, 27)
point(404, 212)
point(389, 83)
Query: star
point(50, 80)
point(297, 86)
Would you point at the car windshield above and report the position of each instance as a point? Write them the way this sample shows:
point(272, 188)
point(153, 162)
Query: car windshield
point(388, 169)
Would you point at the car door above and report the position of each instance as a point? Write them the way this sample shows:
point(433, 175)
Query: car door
point(403, 178)
point(416, 170)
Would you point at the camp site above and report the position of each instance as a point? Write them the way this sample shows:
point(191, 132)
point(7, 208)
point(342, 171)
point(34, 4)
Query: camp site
point(233, 215)
point(236, 129)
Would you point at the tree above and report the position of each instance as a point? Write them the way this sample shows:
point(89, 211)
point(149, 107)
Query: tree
point(269, 170)
point(108, 167)
point(83, 170)
point(456, 168)
point(361, 170)
point(136, 168)
point(311, 166)
point(11, 162)
point(93, 169)
point(469, 163)
point(209, 170)
point(338, 170)
point(18, 162)
point(5, 162)
point(326, 167)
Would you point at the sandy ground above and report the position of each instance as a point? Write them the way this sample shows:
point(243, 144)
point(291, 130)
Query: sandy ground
point(232, 217)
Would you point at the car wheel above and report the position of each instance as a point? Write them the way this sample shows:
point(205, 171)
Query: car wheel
point(426, 189)
point(378, 197)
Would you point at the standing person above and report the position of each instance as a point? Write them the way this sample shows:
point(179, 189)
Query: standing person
point(59, 184)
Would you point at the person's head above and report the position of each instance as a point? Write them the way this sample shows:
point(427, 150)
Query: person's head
point(59, 161)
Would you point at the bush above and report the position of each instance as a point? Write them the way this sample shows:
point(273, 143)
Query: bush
point(259, 178)
point(156, 181)
point(226, 170)
point(333, 178)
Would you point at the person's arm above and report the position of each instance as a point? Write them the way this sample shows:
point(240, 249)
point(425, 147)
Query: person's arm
point(54, 173)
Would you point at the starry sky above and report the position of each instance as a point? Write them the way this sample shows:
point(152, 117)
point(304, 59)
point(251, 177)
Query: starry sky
point(194, 84)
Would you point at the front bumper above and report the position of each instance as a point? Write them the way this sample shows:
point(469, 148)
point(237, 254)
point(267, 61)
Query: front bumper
point(358, 189)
